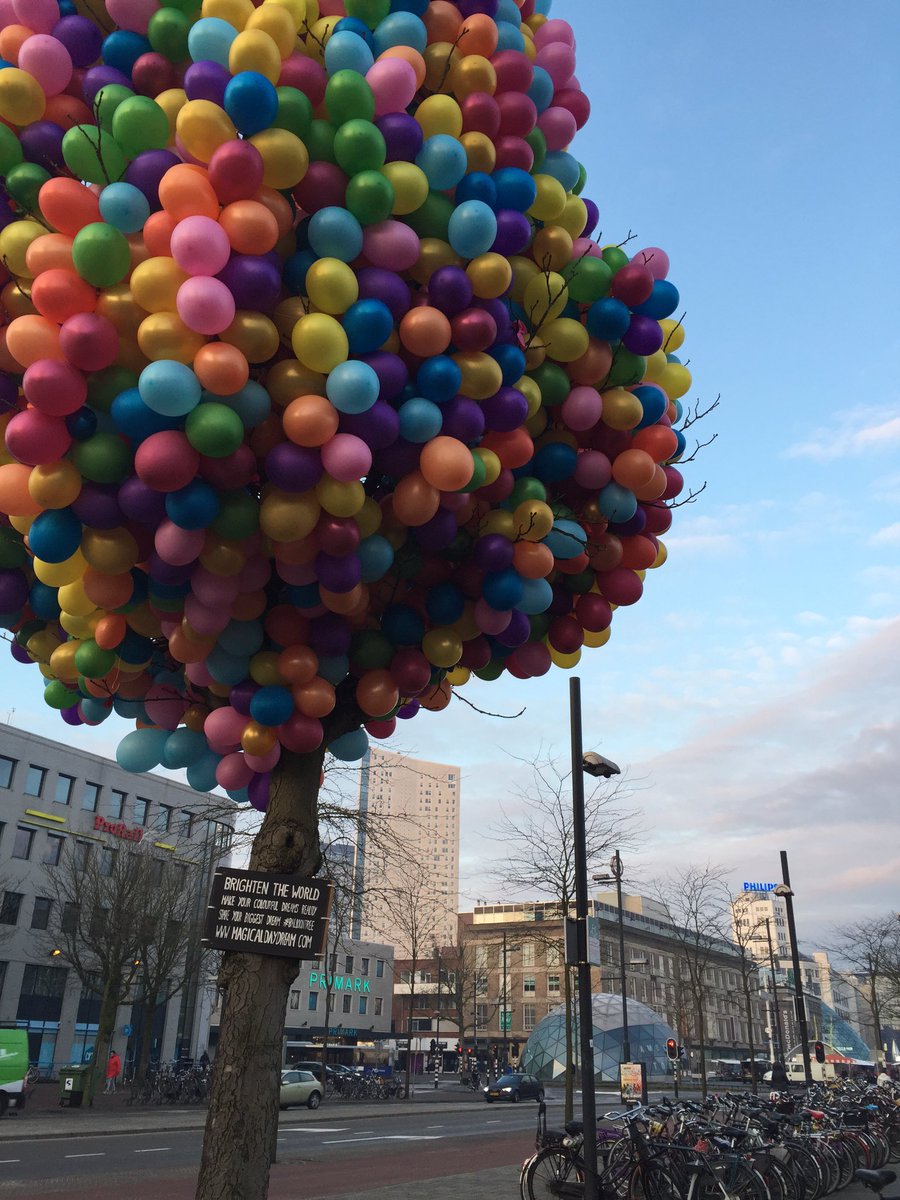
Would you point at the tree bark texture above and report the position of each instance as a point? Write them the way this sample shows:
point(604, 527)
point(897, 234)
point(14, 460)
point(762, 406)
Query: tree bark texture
point(242, 1122)
point(106, 1024)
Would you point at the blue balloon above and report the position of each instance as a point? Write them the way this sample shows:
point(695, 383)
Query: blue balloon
point(183, 747)
point(95, 710)
point(617, 503)
point(209, 39)
point(141, 750)
point(251, 101)
point(511, 360)
point(134, 648)
point(193, 507)
point(502, 590)
point(515, 188)
point(537, 596)
point(352, 386)
point(376, 555)
point(43, 600)
point(420, 420)
point(607, 319)
point(477, 185)
point(294, 272)
point(508, 10)
point(445, 603)
point(509, 36)
point(336, 233)
point(368, 324)
point(251, 403)
point(334, 669)
point(554, 462)
point(124, 206)
point(345, 50)
point(55, 535)
point(402, 625)
point(439, 378)
point(541, 89)
point(654, 402)
point(271, 705)
point(170, 388)
point(566, 539)
point(564, 167)
point(122, 49)
point(355, 25)
point(418, 7)
point(227, 668)
point(350, 747)
point(201, 775)
point(82, 424)
point(472, 228)
point(443, 161)
point(400, 29)
point(661, 302)
point(241, 638)
point(131, 710)
point(682, 446)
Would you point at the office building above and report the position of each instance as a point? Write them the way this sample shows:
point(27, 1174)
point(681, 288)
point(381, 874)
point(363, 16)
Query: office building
point(50, 796)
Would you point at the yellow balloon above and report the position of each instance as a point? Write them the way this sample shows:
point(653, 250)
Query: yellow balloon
point(481, 375)
point(537, 422)
point(565, 339)
point(21, 97)
point(480, 152)
point(278, 23)
point(203, 127)
point(369, 518)
point(433, 253)
point(546, 295)
point(339, 498)
point(17, 236)
point(532, 393)
point(410, 186)
point(573, 217)
point(320, 31)
point(439, 114)
point(19, 523)
point(287, 517)
point(172, 101)
point(656, 365)
point(661, 555)
point(533, 520)
point(492, 464)
point(552, 248)
point(490, 275)
point(593, 640)
point(74, 601)
point(550, 199)
point(466, 625)
point(155, 283)
point(62, 660)
point(459, 676)
point(41, 645)
point(288, 379)
point(58, 574)
point(111, 551)
point(673, 336)
point(676, 380)
point(499, 520)
point(254, 50)
point(442, 647)
point(80, 626)
point(523, 271)
point(332, 285)
point(621, 409)
point(285, 158)
point(264, 669)
point(55, 485)
point(165, 335)
point(235, 12)
point(566, 661)
point(118, 305)
point(299, 10)
point(320, 343)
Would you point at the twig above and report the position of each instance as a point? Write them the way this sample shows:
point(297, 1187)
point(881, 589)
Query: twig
point(484, 712)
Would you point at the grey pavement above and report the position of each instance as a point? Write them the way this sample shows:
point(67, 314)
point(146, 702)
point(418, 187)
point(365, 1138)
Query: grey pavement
point(501, 1183)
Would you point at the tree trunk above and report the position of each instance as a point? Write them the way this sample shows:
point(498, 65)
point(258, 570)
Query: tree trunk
point(701, 1030)
point(242, 1122)
point(148, 1017)
point(409, 1029)
point(748, 1005)
point(106, 1024)
point(570, 1057)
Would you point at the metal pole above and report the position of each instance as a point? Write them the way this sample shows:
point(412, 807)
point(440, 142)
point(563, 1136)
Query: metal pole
point(503, 1009)
point(779, 1031)
point(586, 1022)
point(795, 959)
point(623, 983)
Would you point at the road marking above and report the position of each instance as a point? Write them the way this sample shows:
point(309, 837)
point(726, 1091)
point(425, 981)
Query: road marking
point(492, 1122)
point(93, 1154)
point(153, 1150)
point(434, 1127)
point(389, 1137)
point(10, 1160)
point(314, 1129)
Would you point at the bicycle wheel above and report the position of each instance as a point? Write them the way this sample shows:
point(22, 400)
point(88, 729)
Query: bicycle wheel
point(550, 1173)
point(649, 1181)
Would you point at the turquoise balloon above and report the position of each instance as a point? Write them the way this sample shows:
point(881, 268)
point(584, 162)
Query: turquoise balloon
point(210, 40)
point(443, 160)
point(124, 206)
point(183, 747)
point(169, 388)
point(350, 747)
point(346, 51)
point(352, 386)
point(420, 420)
point(335, 233)
point(400, 29)
point(201, 774)
point(141, 750)
point(472, 228)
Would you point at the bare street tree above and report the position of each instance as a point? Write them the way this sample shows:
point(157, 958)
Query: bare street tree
point(870, 948)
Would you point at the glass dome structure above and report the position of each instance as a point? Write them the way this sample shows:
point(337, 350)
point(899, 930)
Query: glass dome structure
point(545, 1051)
point(825, 1025)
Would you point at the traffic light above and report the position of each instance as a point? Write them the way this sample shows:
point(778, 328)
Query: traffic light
point(819, 1050)
point(459, 1048)
point(671, 1049)
point(55, 952)
point(433, 1045)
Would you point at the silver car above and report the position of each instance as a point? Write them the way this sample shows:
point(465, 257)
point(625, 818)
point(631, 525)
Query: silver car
point(299, 1087)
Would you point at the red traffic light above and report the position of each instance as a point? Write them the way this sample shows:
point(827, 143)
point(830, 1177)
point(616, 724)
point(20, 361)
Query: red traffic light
point(819, 1050)
point(671, 1049)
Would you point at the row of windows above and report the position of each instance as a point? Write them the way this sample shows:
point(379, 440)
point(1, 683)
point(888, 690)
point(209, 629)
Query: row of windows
point(312, 1003)
point(364, 965)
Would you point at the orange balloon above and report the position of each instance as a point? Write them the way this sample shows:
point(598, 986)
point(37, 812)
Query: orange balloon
point(310, 420)
point(67, 111)
point(593, 366)
point(184, 650)
point(377, 693)
point(107, 591)
point(435, 699)
point(59, 294)
point(11, 39)
point(248, 606)
point(442, 21)
point(221, 369)
point(425, 331)
point(52, 251)
point(653, 489)
point(633, 469)
point(29, 338)
point(533, 560)
point(158, 234)
point(446, 463)
point(298, 664)
point(659, 441)
point(252, 228)
point(279, 207)
point(514, 449)
point(314, 699)
point(415, 500)
point(110, 631)
point(638, 552)
point(15, 498)
point(349, 604)
point(185, 191)
point(68, 205)
point(478, 35)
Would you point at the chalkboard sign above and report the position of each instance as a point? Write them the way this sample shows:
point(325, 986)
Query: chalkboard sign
point(280, 915)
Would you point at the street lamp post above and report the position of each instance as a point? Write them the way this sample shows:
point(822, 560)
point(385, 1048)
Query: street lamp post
point(505, 1012)
point(615, 866)
point(779, 1057)
point(784, 890)
point(602, 768)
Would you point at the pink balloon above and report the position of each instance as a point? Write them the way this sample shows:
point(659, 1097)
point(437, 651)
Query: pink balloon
point(200, 246)
point(54, 387)
point(299, 71)
point(39, 15)
point(558, 60)
point(655, 260)
point(592, 469)
point(233, 773)
point(392, 245)
point(129, 14)
point(300, 733)
point(198, 673)
point(393, 84)
point(296, 574)
point(260, 763)
point(48, 61)
point(346, 457)
point(206, 621)
point(558, 127)
point(165, 708)
point(34, 437)
point(581, 408)
point(178, 546)
point(205, 305)
point(488, 619)
point(555, 30)
point(214, 589)
point(165, 461)
point(89, 341)
point(223, 728)
point(588, 246)
point(331, 8)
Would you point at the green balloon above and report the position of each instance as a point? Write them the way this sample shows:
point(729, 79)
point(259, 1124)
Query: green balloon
point(93, 662)
point(101, 254)
point(294, 111)
point(238, 515)
point(103, 458)
point(589, 279)
point(93, 154)
point(12, 550)
point(371, 650)
point(368, 11)
point(432, 218)
point(579, 584)
point(320, 141)
point(348, 98)
point(492, 671)
point(10, 149)
point(167, 32)
point(553, 382)
point(359, 145)
point(57, 695)
point(527, 488)
point(104, 386)
point(479, 474)
point(615, 257)
point(540, 624)
point(140, 124)
point(167, 604)
point(214, 430)
point(538, 144)
point(370, 197)
point(626, 369)
point(582, 179)
point(108, 100)
point(23, 182)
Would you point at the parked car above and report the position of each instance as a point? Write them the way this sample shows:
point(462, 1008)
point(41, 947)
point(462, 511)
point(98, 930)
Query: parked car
point(331, 1071)
point(299, 1087)
point(515, 1087)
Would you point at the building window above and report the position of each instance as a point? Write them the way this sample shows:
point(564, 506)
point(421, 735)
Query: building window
point(163, 822)
point(331, 999)
point(107, 861)
point(312, 1003)
point(346, 1002)
point(82, 855)
point(117, 804)
point(9, 908)
point(63, 793)
point(528, 1016)
point(7, 766)
point(69, 922)
point(22, 844)
point(553, 984)
point(40, 917)
point(3, 967)
point(528, 985)
point(528, 954)
point(363, 1005)
point(481, 1016)
point(187, 823)
point(553, 956)
point(348, 964)
point(294, 1002)
point(141, 810)
point(379, 968)
point(34, 780)
point(379, 1006)
point(363, 966)
point(42, 993)
point(90, 797)
point(53, 850)
point(155, 871)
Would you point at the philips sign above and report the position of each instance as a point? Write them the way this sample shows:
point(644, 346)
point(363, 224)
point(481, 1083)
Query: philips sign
point(760, 887)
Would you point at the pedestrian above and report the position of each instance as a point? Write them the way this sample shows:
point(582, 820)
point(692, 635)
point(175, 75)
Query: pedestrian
point(779, 1076)
point(204, 1060)
point(113, 1070)
point(884, 1080)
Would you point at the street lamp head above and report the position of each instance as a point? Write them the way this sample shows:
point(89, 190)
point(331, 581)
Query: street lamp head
point(783, 890)
point(598, 766)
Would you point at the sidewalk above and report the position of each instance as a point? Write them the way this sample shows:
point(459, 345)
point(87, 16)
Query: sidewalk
point(499, 1183)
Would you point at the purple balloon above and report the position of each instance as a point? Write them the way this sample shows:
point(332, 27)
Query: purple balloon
point(141, 503)
point(9, 392)
point(643, 335)
point(293, 468)
point(338, 574)
point(378, 426)
point(463, 419)
point(98, 506)
point(206, 80)
point(517, 632)
point(409, 710)
point(593, 217)
point(258, 791)
point(468, 8)
point(241, 694)
point(493, 552)
point(71, 716)
point(439, 532)
point(99, 77)
point(41, 143)
point(147, 169)
point(513, 232)
point(633, 525)
point(330, 635)
point(19, 653)
point(13, 591)
point(387, 286)
point(502, 319)
point(402, 135)
point(450, 290)
point(167, 573)
point(253, 280)
point(7, 216)
point(391, 371)
point(399, 459)
point(505, 410)
point(81, 38)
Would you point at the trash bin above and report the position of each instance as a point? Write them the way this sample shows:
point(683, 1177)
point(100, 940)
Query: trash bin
point(72, 1083)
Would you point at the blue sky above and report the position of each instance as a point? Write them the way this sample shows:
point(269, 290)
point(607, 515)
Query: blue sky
point(752, 694)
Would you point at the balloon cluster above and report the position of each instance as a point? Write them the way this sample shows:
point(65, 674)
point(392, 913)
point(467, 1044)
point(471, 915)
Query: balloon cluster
point(317, 394)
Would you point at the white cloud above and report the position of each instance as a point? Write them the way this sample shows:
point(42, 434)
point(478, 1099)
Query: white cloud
point(848, 437)
point(888, 536)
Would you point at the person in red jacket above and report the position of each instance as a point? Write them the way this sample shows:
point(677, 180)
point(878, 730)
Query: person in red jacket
point(113, 1070)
